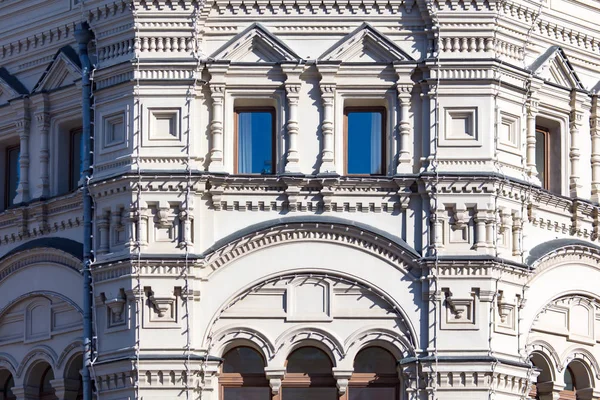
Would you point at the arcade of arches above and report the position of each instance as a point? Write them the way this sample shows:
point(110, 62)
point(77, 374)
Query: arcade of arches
point(309, 374)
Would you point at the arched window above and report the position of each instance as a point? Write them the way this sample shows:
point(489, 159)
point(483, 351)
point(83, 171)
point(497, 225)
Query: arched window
point(46, 389)
point(243, 375)
point(374, 376)
point(309, 376)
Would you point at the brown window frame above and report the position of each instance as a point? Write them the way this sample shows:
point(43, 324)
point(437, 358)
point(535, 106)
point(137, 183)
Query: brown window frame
point(7, 151)
point(271, 110)
point(312, 380)
point(374, 380)
point(72, 133)
point(238, 380)
point(383, 112)
point(546, 133)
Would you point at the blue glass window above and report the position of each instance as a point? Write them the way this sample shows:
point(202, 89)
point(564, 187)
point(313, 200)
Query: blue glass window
point(76, 164)
point(13, 175)
point(364, 141)
point(255, 142)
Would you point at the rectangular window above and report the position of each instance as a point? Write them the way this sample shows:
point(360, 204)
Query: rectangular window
point(75, 154)
point(365, 133)
point(255, 141)
point(542, 147)
point(13, 174)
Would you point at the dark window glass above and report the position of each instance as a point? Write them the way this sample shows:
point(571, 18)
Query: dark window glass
point(309, 360)
point(13, 174)
point(375, 360)
point(569, 384)
point(255, 142)
point(76, 164)
point(247, 393)
point(372, 393)
point(312, 393)
point(541, 156)
point(243, 360)
point(8, 394)
point(364, 129)
point(46, 389)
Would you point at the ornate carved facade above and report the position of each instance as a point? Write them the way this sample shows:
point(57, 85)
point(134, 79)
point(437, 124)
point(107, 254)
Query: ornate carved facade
point(470, 258)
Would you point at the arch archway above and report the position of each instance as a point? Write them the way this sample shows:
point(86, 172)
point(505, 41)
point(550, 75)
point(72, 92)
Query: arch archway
point(7, 383)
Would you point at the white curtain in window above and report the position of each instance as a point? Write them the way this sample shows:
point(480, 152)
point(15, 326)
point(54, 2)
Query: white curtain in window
point(376, 143)
point(245, 142)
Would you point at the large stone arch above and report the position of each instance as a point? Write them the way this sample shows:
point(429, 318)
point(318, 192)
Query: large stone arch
point(561, 268)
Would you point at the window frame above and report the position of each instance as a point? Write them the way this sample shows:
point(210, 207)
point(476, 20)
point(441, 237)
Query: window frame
point(273, 112)
point(546, 133)
point(301, 380)
point(72, 133)
point(239, 380)
point(8, 202)
point(383, 111)
point(373, 379)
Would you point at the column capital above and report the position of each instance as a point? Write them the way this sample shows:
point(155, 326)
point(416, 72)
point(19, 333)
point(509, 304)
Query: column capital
point(275, 376)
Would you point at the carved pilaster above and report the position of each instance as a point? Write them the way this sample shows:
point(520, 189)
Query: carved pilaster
point(327, 129)
point(103, 223)
point(532, 110)
point(23, 126)
point(42, 118)
point(327, 86)
point(217, 92)
point(481, 219)
point(405, 163)
point(595, 134)
point(292, 89)
point(293, 158)
point(576, 123)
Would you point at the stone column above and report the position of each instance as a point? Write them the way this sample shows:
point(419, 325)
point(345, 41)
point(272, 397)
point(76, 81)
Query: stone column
point(576, 123)
point(480, 230)
point(516, 234)
point(327, 130)
point(103, 227)
point(23, 129)
point(405, 162)
point(217, 92)
point(532, 110)
point(216, 129)
point(595, 134)
point(292, 89)
point(292, 163)
point(328, 86)
point(42, 117)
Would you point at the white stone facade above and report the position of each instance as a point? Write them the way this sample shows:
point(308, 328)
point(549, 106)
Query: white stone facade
point(476, 271)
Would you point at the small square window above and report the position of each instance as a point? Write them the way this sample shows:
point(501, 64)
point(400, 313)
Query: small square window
point(13, 175)
point(255, 141)
point(365, 144)
point(75, 158)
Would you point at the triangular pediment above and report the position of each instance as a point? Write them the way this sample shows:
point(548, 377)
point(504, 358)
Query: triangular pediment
point(365, 45)
point(10, 87)
point(255, 45)
point(64, 69)
point(553, 66)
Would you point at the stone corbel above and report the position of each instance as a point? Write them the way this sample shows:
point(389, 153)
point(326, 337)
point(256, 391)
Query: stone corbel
point(504, 308)
point(292, 191)
point(342, 377)
point(275, 376)
point(116, 305)
point(26, 392)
